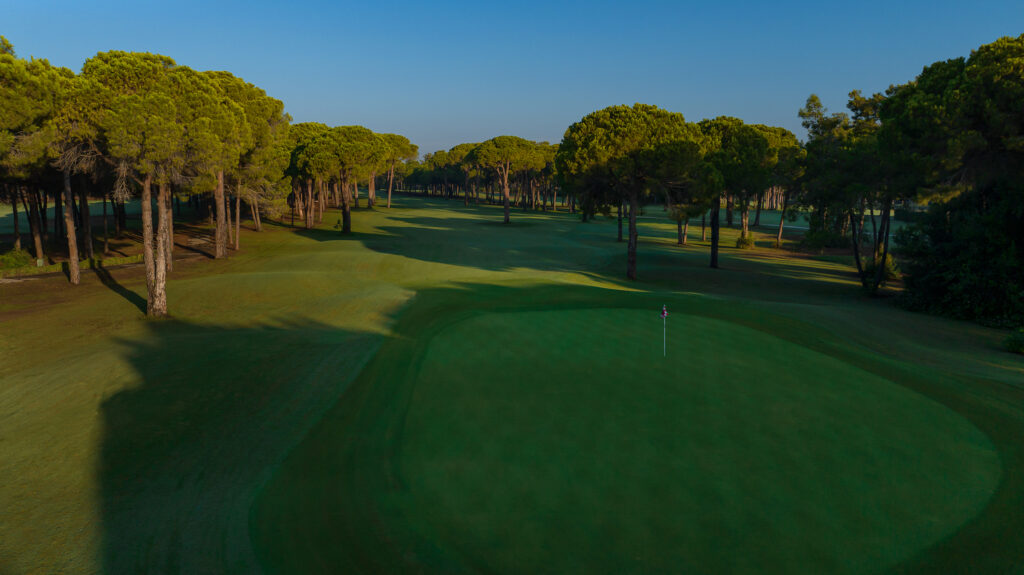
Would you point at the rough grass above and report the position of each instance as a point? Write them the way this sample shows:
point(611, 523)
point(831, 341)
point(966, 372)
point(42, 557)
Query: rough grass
point(434, 392)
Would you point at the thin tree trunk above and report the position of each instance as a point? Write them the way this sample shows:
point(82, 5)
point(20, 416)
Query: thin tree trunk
point(618, 209)
point(159, 297)
point(856, 251)
point(83, 207)
point(703, 227)
point(757, 214)
point(391, 180)
point(238, 219)
point(69, 221)
point(728, 210)
point(346, 209)
point(782, 219)
point(58, 214)
point(686, 230)
point(880, 267)
point(17, 230)
point(220, 249)
point(745, 220)
point(716, 208)
point(371, 195)
point(147, 244)
point(106, 229)
point(631, 247)
point(35, 224)
point(679, 232)
point(505, 192)
point(168, 213)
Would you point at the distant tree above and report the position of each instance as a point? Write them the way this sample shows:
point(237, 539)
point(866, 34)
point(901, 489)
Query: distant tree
point(398, 149)
point(629, 151)
point(504, 155)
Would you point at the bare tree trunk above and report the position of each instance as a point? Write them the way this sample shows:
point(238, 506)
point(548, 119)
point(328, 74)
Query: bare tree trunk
point(58, 213)
point(159, 295)
point(728, 210)
point(856, 251)
point(220, 249)
point(106, 229)
point(679, 232)
point(371, 196)
point(17, 230)
point(346, 209)
point(757, 214)
point(391, 180)
point(782, 219)
point(83, 207)
point(631, 248)
point(880, 267)
point(618, 209)
point(745, 220)
point(505, 192)
point(716, 207)
point(147, 243)
point(238, 218)
point(703, 227)
point(168, 214)
point(686, 230)
point(35, 224)
point(69, 221)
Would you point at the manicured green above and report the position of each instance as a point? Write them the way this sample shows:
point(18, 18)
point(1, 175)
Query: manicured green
point(441, 392)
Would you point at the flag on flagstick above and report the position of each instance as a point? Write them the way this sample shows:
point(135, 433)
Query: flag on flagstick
point(664, 344)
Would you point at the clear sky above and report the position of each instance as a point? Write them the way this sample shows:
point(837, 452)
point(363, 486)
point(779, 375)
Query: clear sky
point(443, 73)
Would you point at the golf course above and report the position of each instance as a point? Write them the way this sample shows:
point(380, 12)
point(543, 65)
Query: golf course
point(440, 392)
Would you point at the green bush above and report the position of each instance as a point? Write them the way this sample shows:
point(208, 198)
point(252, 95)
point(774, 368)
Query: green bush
point(892, 271)
point(821, 239)
point(745, 243)
point(1015, 341)
point(15, 259)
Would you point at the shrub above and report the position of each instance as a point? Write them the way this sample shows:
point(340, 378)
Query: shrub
point(892, 271)
point(1015, 341)
point(745, 243)
point(821, 239)
point(15, 259)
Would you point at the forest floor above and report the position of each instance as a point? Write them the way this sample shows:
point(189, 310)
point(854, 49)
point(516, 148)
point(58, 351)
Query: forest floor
point(441, 392)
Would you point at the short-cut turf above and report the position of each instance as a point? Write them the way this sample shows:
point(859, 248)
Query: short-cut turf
point(440, 392)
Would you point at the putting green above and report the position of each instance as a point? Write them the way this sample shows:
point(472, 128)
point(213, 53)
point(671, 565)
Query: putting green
point(562, 441)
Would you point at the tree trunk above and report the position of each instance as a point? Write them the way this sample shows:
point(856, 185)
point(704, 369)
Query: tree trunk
point(391, 180)
point(35, 224)
point(371, 195)
point(757, 214)
point(69, 221)
point(106, 228)
point(679, 233)
point(745, 221)
point(346, 209)
point(147, 243)
point(83, 207)
point(703, 227)
point(856, 252)
point(714, 231)
point(631, 248)
point(505, 192)
point(159, 296)
point(238, 219)
point(58, 214)
point(227, 212)
point(782, 219)
point(619, 210)
point(728, 210)
point(686, 230)
point(17, 230)
point(880, 268)
point(220, 249)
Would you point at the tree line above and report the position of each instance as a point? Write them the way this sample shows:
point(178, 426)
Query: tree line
point(140, 125)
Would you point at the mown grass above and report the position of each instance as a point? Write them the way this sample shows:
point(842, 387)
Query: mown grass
point(320, 401)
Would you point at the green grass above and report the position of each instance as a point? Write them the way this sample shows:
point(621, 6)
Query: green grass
point(438, 392)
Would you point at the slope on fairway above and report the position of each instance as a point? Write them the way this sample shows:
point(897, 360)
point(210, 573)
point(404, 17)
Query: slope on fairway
point(562, 441)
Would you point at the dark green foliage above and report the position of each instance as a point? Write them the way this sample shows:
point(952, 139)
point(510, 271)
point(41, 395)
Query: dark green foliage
point(1015, 341)
point(744, 243)
point(15, 259)
point(819, 239)
point(962, 124)
point(892, 271)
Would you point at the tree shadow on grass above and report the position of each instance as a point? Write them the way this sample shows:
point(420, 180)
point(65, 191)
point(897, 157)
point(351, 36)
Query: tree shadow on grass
point(215, 410)
point(108, 280)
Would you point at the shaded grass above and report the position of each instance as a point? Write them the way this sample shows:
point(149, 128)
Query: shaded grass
point(127, 444)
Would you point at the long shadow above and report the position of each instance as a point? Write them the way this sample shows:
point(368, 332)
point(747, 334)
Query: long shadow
point(108, 280)
point(215, 410)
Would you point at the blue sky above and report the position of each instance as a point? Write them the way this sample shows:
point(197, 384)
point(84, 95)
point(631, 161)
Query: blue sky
point(443, 73)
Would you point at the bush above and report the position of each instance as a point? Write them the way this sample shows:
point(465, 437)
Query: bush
point(1015, 341)
point(15, 259)
point(821, 239)
point(892, 271)
point(745, 243)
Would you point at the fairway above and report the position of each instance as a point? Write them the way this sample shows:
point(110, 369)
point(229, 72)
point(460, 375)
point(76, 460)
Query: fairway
point(441, 393)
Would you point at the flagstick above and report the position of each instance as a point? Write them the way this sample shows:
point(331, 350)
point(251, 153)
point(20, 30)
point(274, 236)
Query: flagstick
point(664, 347)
